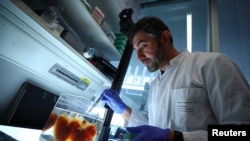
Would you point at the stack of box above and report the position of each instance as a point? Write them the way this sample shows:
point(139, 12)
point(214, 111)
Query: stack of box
point(120, 42)
point(98, 15)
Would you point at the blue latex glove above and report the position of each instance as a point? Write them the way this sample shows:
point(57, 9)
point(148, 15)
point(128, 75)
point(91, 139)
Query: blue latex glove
point(149, 133)
point(112, 98)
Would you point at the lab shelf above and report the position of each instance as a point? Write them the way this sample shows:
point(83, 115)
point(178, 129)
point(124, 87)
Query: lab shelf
point(82, 22)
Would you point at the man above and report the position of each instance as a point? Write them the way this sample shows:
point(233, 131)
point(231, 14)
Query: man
point(192, 90)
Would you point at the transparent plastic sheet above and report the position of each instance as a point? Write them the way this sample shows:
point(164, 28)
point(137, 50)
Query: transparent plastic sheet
point(71, 119)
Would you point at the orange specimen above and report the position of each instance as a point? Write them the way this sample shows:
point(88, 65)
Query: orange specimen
point(73, 129)
point(61, 128)
point(50, 122)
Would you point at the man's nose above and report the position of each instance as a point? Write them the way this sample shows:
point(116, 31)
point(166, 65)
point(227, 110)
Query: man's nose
point(140, 54)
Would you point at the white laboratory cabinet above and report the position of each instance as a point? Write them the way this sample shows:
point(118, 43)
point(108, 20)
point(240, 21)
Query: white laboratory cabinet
point(29, 51)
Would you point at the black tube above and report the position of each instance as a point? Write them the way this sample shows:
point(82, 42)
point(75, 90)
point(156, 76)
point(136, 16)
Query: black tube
point(125, 24)
point(116, 85)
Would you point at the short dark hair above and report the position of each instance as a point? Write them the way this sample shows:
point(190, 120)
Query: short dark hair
point(150, 25)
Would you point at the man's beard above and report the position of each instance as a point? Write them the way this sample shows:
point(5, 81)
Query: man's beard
point(156, 60)
point(154, 65)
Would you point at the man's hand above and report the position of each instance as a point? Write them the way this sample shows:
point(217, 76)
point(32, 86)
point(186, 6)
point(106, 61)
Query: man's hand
point(149, 133)
point(114, 101)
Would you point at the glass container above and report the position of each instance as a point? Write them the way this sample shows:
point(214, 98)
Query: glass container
point(74, 118)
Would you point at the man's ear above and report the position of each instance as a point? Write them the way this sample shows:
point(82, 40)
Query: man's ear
point(166, 36)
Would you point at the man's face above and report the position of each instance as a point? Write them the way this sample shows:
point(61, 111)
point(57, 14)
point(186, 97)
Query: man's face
point(149, 51)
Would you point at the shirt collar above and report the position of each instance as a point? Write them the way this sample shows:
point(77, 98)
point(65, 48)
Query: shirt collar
point(179, 58)
point(174, 61)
